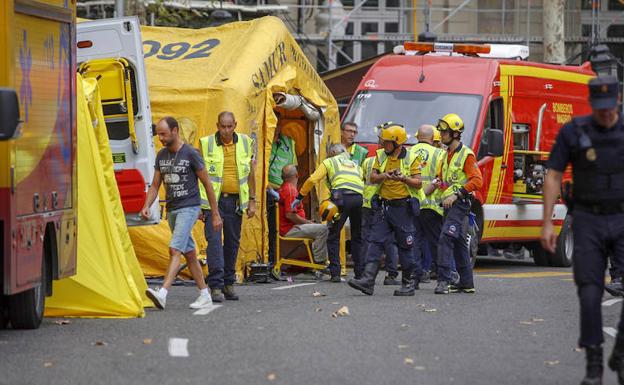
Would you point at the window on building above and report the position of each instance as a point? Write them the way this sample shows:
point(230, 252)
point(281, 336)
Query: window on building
point(616, 5)
point(347, 48)
point(393, 3)
point(369, 5)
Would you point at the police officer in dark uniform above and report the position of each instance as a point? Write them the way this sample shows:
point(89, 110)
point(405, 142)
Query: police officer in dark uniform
point(594, 145)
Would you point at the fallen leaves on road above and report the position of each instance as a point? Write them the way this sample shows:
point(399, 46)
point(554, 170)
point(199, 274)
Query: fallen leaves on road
point(537, 319)
point(318, 309)
point(62, 322)
point(342, 312)
point(408, 361)
point(526, 323)
point(335, 303)
point(402, 346)
point(271, 377)
point(129, 354)
point(577, 349)
point(47, 364)
point(317, 294)
point(100, 343)
point(147, 341)
point(551, 363)
point(404, 326)
point(430, 310)
point(419, 368)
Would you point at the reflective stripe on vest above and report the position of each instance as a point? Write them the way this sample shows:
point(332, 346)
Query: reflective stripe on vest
point(453, 174)
point(343, 173)
point(406, 165)
point(283, 155)
point(369, 188)
point(431, 157)
point(213, 158)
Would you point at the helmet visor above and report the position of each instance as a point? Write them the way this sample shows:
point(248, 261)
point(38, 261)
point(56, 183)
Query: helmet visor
point(443, 126)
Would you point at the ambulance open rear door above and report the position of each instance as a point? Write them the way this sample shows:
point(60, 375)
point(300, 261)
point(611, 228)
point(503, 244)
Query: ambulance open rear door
point(111, 52)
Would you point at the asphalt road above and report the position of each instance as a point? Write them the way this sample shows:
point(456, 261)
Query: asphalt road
point(520, 328)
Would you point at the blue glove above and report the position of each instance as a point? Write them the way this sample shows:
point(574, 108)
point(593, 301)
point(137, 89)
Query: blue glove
point(295, 203)
point(273, 193)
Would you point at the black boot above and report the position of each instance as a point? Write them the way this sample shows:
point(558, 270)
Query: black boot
point(366, 284)
point(593, 357)
point(616, 287)
point(616, 361)
point(409, 285)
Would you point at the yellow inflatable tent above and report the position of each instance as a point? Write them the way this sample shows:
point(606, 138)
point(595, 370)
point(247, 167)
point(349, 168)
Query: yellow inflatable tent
point(240, 67)
point(109, 281)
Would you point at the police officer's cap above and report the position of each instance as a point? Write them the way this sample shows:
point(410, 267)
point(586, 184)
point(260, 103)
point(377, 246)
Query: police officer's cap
point(603, 92)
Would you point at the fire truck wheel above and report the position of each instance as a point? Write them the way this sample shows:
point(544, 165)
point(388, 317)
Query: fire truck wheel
point(4, 316)
point(26, 308)
point(540, 256)
point(565, 245)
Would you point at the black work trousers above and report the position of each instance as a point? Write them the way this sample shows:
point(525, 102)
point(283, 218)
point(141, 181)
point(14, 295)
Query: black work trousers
point(351, 208)
point(595, 238)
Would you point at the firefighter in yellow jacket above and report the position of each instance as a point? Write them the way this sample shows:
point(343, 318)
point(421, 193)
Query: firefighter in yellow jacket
point(395, 204)
point(228, 156)
point(344, 177)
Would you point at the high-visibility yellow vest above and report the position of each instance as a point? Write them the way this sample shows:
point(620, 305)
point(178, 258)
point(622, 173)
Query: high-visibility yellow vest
point(282, 153)
point(406, 166)
point(431, 159)
point(213, 157)
point(343, 173)
point(453, 174)
point(370, 189)
point(358, 153)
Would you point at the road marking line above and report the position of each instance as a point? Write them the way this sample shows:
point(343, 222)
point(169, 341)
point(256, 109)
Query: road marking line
point(537, 274)
point(291, 286)
point(610, 331)
point(178, 347)
point(206, 310)
point(612, 301)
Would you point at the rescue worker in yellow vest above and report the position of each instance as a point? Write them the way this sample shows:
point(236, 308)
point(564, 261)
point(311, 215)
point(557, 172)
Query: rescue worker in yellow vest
point(431, 211)
point(348, 131)
point(228, 157)
point(460, 178)
point(282, 154)
point(395, 204)
point(344, 178)
point(390, 248)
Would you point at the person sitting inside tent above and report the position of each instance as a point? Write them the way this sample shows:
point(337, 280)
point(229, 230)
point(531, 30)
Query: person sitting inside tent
point(293, 222)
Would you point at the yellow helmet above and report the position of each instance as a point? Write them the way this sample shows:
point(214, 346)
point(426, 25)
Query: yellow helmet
point(328, 210)
point(436, 135)
point(451, 122)
point(392, 132)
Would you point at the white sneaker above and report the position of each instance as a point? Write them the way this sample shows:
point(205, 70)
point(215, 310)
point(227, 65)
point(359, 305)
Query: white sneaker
point(204, 300)
point(155, 296)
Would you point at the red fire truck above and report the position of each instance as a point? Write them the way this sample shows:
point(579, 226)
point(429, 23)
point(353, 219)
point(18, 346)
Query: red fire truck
point(37, 154)
point(512, 110)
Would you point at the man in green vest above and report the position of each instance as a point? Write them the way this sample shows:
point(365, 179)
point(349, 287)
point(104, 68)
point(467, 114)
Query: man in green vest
point(397, 176)
point(229, 161)
point(282, 154)
point(348, 131)
point(431, 211)
point(460, 178)
point(344, 178)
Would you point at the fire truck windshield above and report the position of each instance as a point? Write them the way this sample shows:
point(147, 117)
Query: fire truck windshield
point(411, 109)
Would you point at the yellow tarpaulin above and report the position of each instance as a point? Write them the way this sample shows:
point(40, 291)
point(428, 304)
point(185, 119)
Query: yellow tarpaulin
point(109, 281)
point(195, 74)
